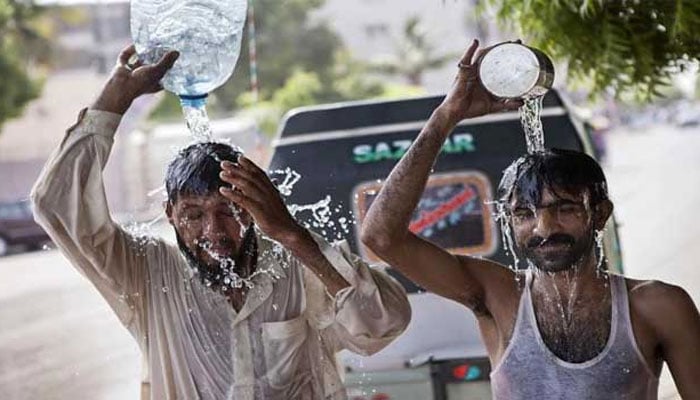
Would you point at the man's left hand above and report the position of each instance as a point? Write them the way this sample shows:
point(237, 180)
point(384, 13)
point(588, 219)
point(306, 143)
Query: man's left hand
point(130, 80)
point(254, 192)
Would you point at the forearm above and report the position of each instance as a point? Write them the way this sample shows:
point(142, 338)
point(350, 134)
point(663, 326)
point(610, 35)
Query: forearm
point(111, 100)
point(68, 198)
point(372, 315)
point(304, 248)
point(368, 313)
point(391, 211)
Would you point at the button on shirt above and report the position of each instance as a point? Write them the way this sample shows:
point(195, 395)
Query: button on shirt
point(282, 343)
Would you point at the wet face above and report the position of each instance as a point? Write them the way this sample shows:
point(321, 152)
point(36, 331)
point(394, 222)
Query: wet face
point(558, 233)
point(209, 226)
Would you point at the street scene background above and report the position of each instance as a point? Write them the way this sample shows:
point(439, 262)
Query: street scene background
point(58, 338)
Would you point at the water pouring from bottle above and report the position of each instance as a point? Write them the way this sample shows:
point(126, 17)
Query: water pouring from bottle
point(206, 33)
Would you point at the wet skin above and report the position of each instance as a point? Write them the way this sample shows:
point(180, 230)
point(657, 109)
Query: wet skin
point(557, 233)
point(557, 237)
point(208, 221)
point(211, 220)
point(665, 322)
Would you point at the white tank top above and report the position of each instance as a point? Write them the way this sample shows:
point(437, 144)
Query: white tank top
point(529, 370)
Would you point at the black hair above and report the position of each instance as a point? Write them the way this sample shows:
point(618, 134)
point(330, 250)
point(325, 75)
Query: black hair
point(195, 169)
point(554, 169)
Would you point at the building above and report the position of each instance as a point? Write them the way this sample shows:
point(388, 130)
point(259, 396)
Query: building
point(371, 29)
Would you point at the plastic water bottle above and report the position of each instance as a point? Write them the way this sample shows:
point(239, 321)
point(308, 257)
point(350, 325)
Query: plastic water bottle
point(207, 33)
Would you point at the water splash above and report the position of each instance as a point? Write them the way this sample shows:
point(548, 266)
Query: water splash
point(290, 178)
point(318, 216)
point(319, 211)
point(502, 216)
point(600, 251)
point(142, 234)
point(329, 220)
point(226, 277)
point(530, 117)
point(197, 121)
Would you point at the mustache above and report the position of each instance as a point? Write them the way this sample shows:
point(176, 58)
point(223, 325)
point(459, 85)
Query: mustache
point(557, 238)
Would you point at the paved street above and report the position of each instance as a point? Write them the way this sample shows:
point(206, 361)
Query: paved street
point(59, 340)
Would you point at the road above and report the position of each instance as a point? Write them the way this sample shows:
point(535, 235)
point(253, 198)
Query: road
point(59, 340)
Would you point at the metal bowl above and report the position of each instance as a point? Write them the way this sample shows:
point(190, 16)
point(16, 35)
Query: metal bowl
point(515, 71)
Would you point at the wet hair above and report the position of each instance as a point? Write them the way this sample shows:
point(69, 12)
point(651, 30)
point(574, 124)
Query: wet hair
point(195, 169)
point(555, 169)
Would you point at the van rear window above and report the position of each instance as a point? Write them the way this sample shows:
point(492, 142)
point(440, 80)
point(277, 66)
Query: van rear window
point(452, 213)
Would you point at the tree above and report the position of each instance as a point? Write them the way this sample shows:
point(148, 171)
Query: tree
point(347, 81)
point(18, 44)
point(286, 41)
point(615, 46)
point(415, 54)
point(300, 62)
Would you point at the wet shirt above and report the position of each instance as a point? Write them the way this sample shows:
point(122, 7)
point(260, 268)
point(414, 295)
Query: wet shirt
point(529, 370)
point(281, 345)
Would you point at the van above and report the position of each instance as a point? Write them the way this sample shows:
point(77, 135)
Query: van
point(344, 151)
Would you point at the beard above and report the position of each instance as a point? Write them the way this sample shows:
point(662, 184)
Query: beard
point(558, 252)
point(214, 273)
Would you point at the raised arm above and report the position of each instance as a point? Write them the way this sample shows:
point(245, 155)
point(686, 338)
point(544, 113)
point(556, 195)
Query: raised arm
point(370, 309)
point(385, 228)
point(69, 199)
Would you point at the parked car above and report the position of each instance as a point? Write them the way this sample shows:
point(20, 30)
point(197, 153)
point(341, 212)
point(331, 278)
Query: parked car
point(18, 229)
point(346, 150)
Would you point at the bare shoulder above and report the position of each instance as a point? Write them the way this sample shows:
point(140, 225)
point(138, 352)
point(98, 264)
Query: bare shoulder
point(657, 294)
point(661, 305)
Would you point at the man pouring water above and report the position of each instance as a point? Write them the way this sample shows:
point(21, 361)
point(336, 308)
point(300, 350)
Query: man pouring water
point(249, 305)
point(563, 328)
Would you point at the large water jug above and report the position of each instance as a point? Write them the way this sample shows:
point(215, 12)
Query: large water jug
point(207, 33)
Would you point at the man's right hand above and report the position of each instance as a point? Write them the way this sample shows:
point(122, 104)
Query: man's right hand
point(129, 81)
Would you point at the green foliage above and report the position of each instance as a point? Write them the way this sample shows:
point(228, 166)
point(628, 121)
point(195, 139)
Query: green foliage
point(305, 88)
point(17, 40)
point(414, 54)
point(300, 62)
point(302, 88)
point(627, 47)
point(168, 108)
point(286, 41)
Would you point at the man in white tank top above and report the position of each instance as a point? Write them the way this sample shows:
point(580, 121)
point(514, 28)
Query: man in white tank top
point(565, 329)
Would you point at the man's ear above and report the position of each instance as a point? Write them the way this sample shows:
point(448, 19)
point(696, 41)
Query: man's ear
point(604, 210)
point(169, 211)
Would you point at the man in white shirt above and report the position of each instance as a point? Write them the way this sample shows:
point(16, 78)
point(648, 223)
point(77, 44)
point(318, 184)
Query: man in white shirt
point(251, 305)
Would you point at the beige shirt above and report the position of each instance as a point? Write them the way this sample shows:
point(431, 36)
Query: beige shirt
point(282, 343)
